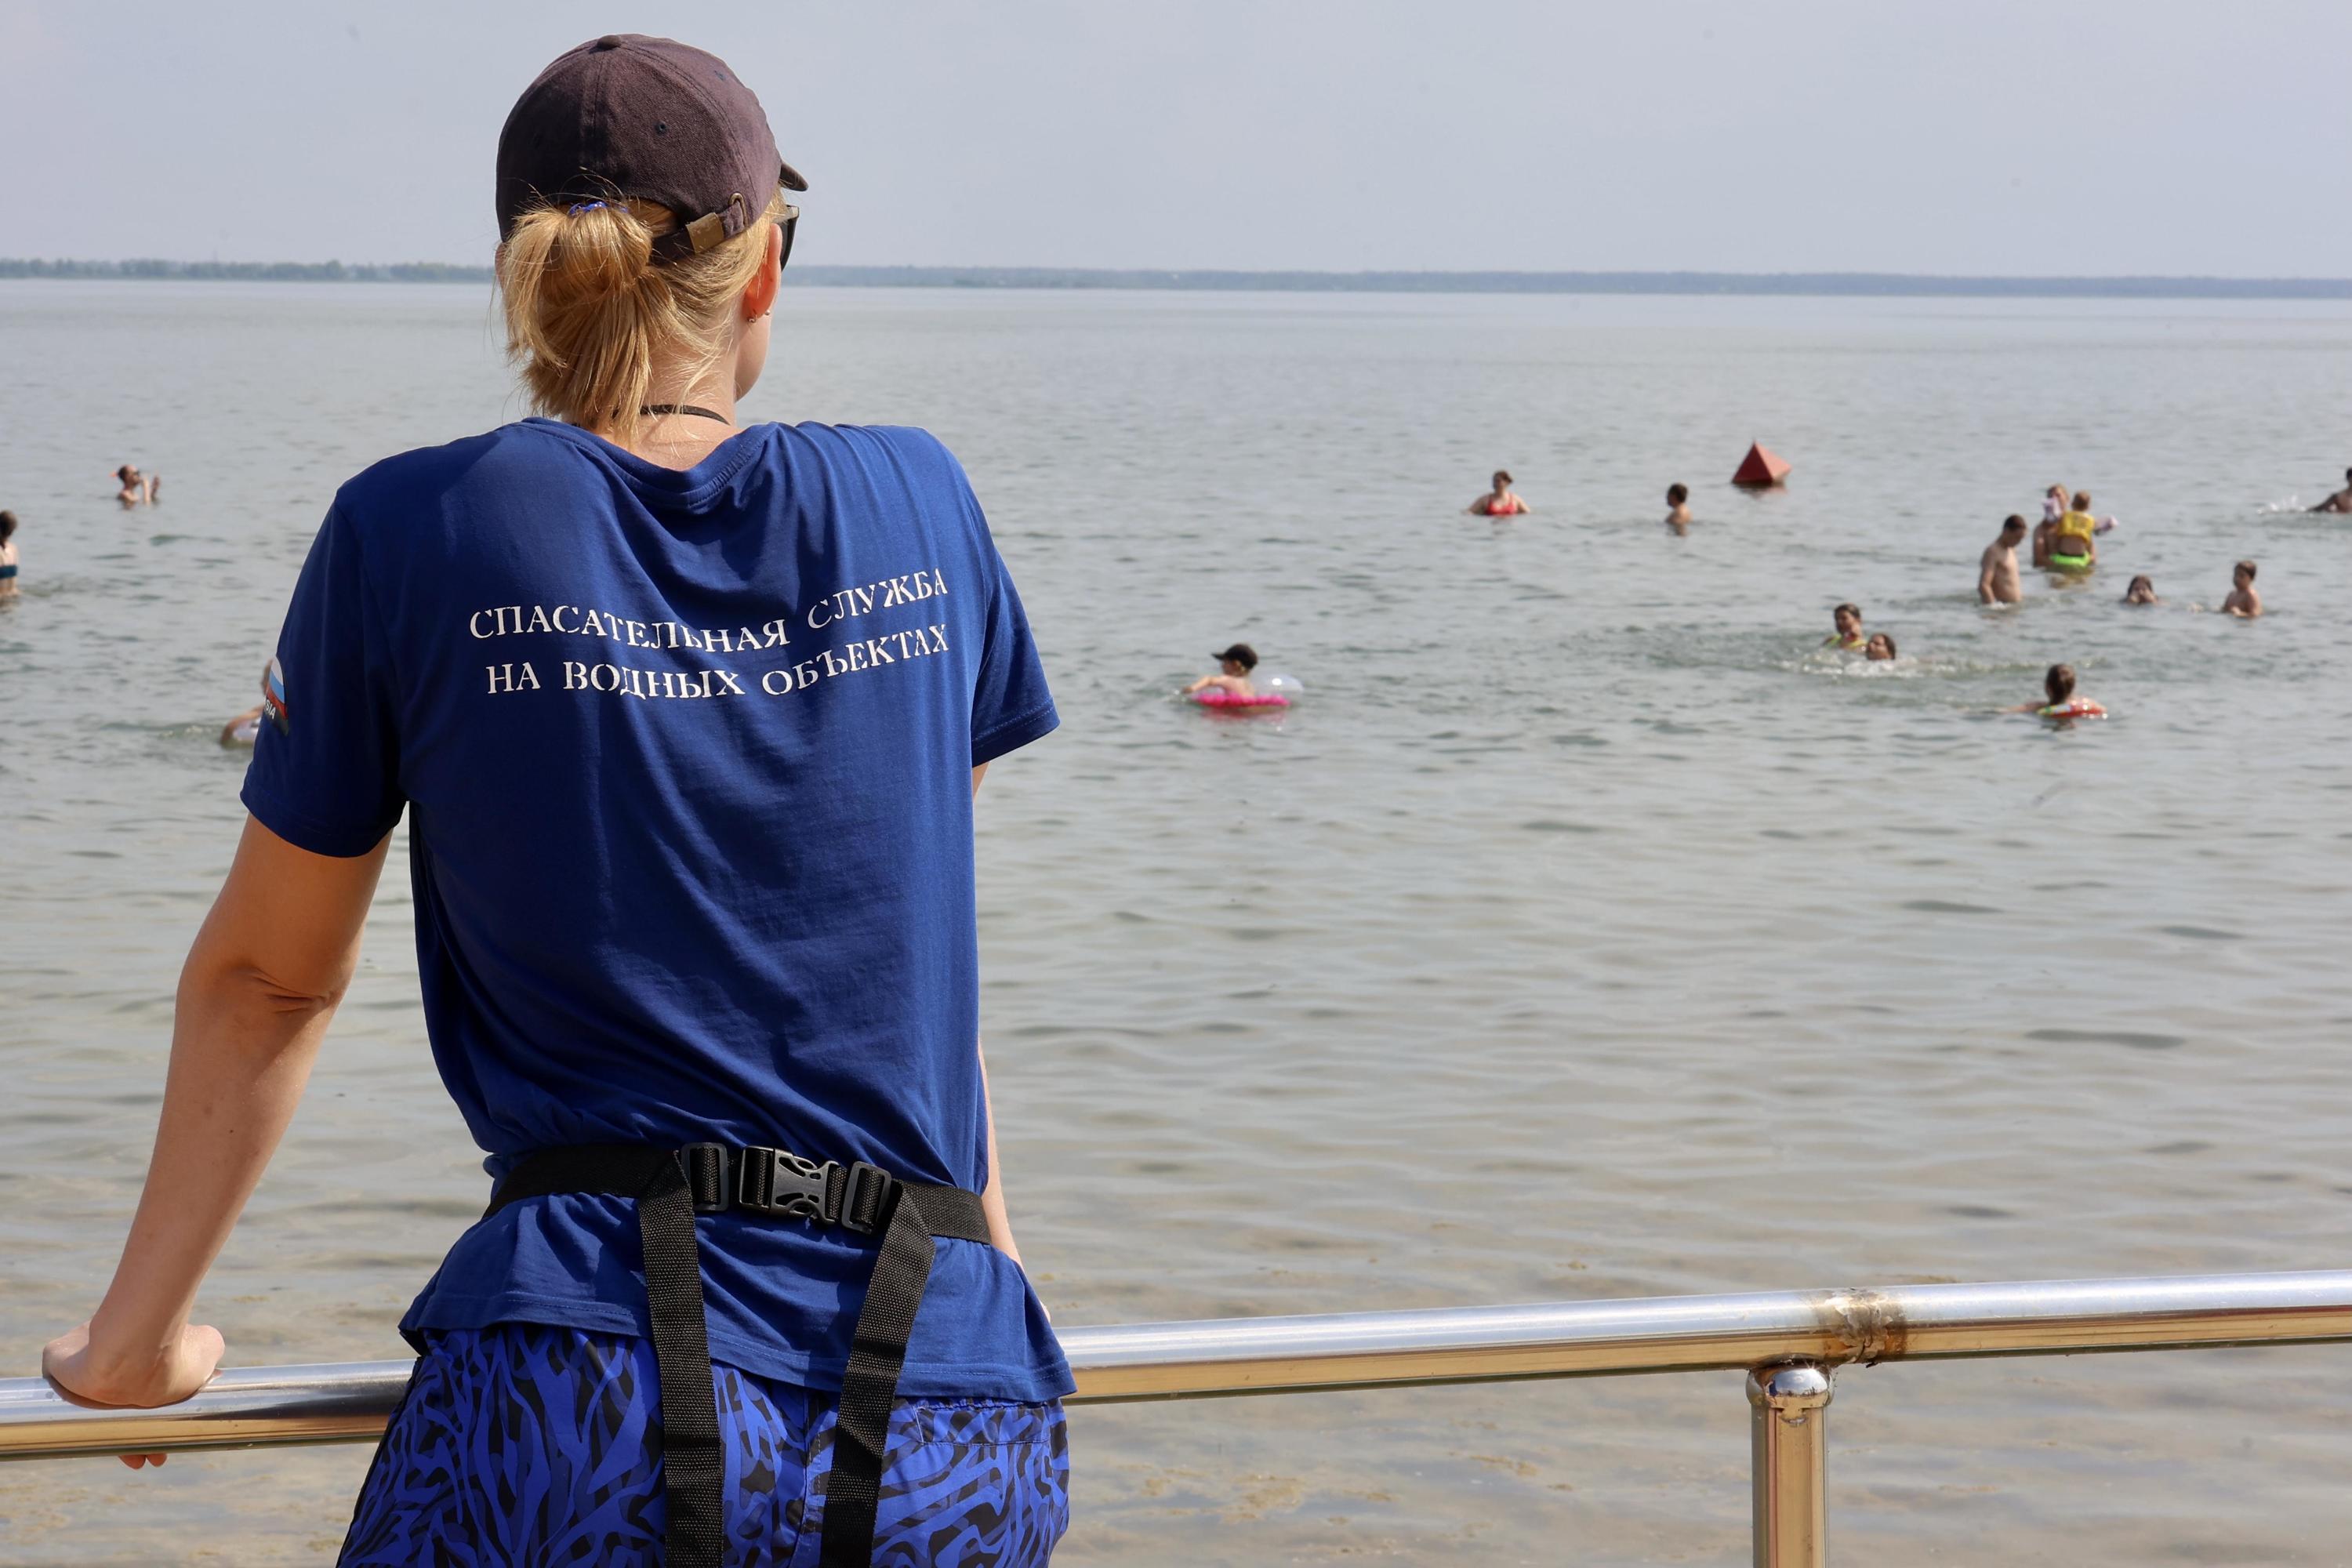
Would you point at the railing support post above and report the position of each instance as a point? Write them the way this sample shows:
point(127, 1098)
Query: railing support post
point(1789, 1450)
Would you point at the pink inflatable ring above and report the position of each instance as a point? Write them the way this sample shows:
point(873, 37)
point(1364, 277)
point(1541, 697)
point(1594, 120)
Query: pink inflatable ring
point(1236, 700)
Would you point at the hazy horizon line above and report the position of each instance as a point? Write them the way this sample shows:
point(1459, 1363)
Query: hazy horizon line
point(1303, 280)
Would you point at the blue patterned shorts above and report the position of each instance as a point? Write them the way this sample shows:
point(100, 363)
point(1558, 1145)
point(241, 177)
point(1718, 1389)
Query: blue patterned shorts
point(520, 1444)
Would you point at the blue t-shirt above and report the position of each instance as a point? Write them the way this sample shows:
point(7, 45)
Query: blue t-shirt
point(688, 761)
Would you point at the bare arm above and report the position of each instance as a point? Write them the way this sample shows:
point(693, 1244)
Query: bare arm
point(992, 1196)
point(992, 1193)
point(1984, 580)
point(263, 978)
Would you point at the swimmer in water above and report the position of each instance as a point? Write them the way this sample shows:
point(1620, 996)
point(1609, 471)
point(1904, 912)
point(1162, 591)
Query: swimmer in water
point(2058, 687)
point(2074, 541)
point(2243, 602)
point(243, 730)
point(2054, 507)
point(7, 553)
point(1233, 667)
point(1847, 618)
point(1997, 567)
point(1678, 517)
point(132, 489)
point(1880, 648)
point(2141, 591)
point(2341, 502)
point(1500, 502)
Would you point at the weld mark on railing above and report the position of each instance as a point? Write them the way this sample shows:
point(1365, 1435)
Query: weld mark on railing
point(1866, 1326)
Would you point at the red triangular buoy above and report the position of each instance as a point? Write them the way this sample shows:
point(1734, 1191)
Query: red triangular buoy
point(1760, 467)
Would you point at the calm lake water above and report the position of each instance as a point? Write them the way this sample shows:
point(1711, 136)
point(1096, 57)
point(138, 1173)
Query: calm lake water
point(1586, 932)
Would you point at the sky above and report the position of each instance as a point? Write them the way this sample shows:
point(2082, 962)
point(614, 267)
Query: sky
point(1945, 136)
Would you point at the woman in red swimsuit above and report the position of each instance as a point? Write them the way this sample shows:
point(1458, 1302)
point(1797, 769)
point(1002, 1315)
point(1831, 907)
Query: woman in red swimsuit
point(1500, 502)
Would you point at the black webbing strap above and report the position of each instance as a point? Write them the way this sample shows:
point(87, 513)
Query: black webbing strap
point(693, 1470)
point(877, 1350)
point(671, 1186)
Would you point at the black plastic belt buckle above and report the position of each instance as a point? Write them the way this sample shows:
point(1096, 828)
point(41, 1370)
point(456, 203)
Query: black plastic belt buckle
point(780, 1183)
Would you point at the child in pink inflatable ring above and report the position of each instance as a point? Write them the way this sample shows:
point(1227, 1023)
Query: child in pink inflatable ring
point(1234, 678)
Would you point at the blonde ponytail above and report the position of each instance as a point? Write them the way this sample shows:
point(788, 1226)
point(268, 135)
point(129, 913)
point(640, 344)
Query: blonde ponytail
point(592, 322)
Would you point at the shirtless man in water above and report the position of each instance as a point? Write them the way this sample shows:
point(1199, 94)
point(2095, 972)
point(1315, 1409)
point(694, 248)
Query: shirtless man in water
point(2341, 502)
point(1996, 568)
point(1678, 517)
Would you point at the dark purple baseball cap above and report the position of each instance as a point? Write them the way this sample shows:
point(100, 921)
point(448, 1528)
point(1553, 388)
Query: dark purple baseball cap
point(650, 119)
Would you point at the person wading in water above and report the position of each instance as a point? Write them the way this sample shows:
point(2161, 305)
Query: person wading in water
point(1500, 502)
point(688, 721)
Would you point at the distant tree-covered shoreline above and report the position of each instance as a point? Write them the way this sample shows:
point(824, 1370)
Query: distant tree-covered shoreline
point(1831, 284)
point(251, 272)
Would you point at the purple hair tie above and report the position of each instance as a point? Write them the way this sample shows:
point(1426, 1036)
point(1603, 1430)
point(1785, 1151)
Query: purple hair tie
point(579, 207)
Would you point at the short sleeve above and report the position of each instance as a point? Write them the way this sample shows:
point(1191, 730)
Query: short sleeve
point(1010, 703)
point(325, 775)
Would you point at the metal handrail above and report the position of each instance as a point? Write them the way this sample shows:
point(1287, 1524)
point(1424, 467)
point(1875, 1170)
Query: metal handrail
point(1788, 1340)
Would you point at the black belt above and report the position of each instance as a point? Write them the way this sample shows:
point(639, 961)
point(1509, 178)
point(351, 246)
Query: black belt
point(671, 1186)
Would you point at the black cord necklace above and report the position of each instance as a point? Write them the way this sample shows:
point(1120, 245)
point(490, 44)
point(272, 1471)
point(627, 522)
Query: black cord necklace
point(685, 408)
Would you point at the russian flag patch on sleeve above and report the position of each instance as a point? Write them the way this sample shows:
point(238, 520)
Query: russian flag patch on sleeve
point(273, 695)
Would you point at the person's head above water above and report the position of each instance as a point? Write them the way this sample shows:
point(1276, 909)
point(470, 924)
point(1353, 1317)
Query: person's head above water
point(1502, 480)
point(2012, 528)
point(2082, 501)
point(1881, 647)
point(7, 526)
point(1240, 654)
point(642, 232)
point(1847, 618)
point(2059, 683)
point(1677, 494)
point(2141, 591)
point(2242, 572)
